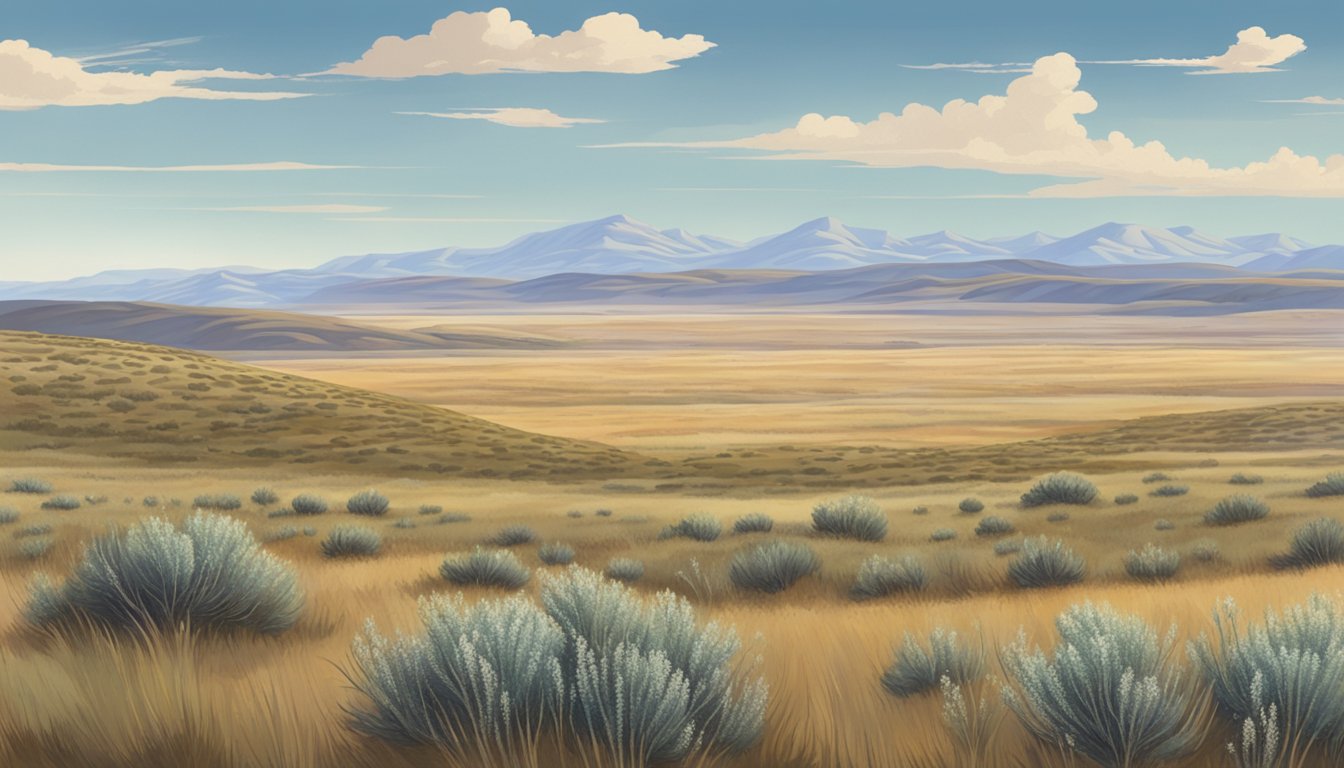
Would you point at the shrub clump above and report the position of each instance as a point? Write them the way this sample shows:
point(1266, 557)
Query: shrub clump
point(942, 534)
point(918, 668)
point(265, 497)
point(35, 549)
point(1045, 563)
point(1170, 490)
point(351, 541)
point(920, 510)
point(1204, 550)
point(773, 566)
point(1126, 498)
point(8, 515)
point(497, 568)
point(1319, 542)
point(971, 506)
point(697, 527)
point(212, 574)
point(1236, 509)
point(29, 485)
point(624, 569)
point(1241, 478)
point(555, 553)
point(512, 536)
point(63, 502)
point(430, 509)
point(308, 504)
point(222, 502)
point(1007, 547)
point(1332, 485)
point(1156, 477)
point(852, 517)
point(994, 526)
point(1060, 488)
point(1057, 517)
point(1152, 563)
point(753, 523)
point(1163, 524)
point(881, 576)
point(1109, 690)
point(368, 503)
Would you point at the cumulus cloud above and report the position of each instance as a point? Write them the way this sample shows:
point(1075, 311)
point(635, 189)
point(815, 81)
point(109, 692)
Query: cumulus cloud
point(31, 78)
point(493, 41)
point(1033, 128)
point(228, 168)
point(514, 117)
point(1253, 52)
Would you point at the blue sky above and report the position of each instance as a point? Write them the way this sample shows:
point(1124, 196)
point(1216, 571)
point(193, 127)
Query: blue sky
point(715, 152)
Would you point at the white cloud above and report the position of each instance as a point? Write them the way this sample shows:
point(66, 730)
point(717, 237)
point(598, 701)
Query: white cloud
point(514, 117)
point(229, 168)
point(31, 78)
point(1253, 52)
point(1033, 129)
point(324, 208)
point(1317, 100)
point(492, 41)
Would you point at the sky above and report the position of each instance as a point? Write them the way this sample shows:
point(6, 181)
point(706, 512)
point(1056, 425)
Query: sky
point(162, 134)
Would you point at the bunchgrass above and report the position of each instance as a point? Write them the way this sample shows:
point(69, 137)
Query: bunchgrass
point(918, 667)
point(369, 503)
point(1319, 542)
point(1045, 563)
point(1060, 488)
point(880, 576)
point(624, 569)
point(1332, 485)
point(512, 536)
point(485, 568)
point(852, 517)
point(1152, 563)
point(753, 523)
point(555, 553)
point(1237, 509)
point(351, 541)
point(773, 566)
point(63, 502)
point(694, 527)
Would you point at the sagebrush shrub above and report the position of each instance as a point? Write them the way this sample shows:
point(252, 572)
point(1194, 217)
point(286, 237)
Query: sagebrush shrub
point(555, 553)
point(308, 504)
point(404, 522)
point(1156, 477)
point(430, 509)
point(881, 576)
point(697, 527)
point(917, 668)
point(1126, 498)
point(34, 549)
point(1319, 542)
point(368, 503)
point(448, 518)
point(1170, 490)
point(1007, 547)
point(29, 485)
point(773, 566)
point(209, 575)
point(624, 569)
point(852, 517)
point(1236, 509)
point(1108, 690)
point(920, 510)
point(62, 502)
point(1060, 488)
point(1057, 517)
point(603, 513)
point(942, 534)
point(1332, 485)
point(8, 515)
point(1163, 524)
point(1045, 563)
point(1204, 550)
point(994, 526)
point(753, 523)
point(512, 536)
point(1152, 563)
point(264, 497)
point(1244, 479)
point(283, 533)
point(40, 529)
point(574, 513)
point(150, 501)
point(971, 506)
point(351, 541)
point(485, 568)
point(221, 502)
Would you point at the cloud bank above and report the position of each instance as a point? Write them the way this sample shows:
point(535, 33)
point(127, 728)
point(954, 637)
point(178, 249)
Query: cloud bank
point(31, 78)
point(514, 117)
point(1033, 128)
point(493, 41)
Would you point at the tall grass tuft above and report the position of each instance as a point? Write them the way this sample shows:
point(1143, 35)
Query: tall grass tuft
point(1060, 488)
point(483, 568)
point(512, 536)
point(1169, 491)
point(1108, 691)
point(555, 553)
point(1045, 563)
point(753, 523)
point(1332, 485)
point(852, 517)
point(220, 502)
point(1319, 542)
point(919, 667)
point(209, 575)
point(696, 527)
point(881, 576)
point(1152, 563)
point(773, 566)
point(1235, 510)
point(8, 515)
point(624, 569)
point(368, 503)
point(265, 497)
point(351, 541)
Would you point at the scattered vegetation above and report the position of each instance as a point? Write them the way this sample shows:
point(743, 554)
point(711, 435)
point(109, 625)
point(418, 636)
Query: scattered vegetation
point(29, 485)
point(485, 568)
point(1152, 563)
point(1060, 488)
point(1057, 517)
point(219, 502)
point(625, 569)
point(1204, 550)
point(881, 576)
point(994, 526)
point(852, 517)
point(512, 536)
point(942, 534)
point(1332, 485)
point(1045, 563)
point(368, 503)
point(8, 515)
point(753, 523)
point(35, 549)
point(351, 541)
point(773, 566)
point(1237, 509)
point(1170, 490)
point(430, 509)
point(1156, 477)
point(1244, 479)
point(971, 506)
point(1126, 499)
point(39, 529)
point(1163, 524)
point(919, 668)
point(1319, 542)
point(555, 553)
point(62, 502)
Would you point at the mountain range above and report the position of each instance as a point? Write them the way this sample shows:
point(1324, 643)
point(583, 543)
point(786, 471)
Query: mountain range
point(620, 245)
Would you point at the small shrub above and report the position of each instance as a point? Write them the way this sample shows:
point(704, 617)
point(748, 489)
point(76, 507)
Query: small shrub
point(753, 523)
point(971, 506)
point(917, 669)
point(1060, 488)
point(448, 518)
point(1126, 499)
point(881, 576)
point(1332, 485)
point(150, 501)
point(29, 485)
point(1163, 524)
point(1007, 547)
point(212, 574)
point(221, 502)
point(852, 517)
point(351, 541)
point(62, 502)
point(773, 566)
point(40, 529)
point(574, 513)
point(35, 549)
point(404, 523)
point(1244, 479)
point(497, 568)
point(8, 515)
point(368, 503)
point(309, 530)
point(1044, 563)
point(920, 510)
point(556, 553)
point(1236, 509)
point(1170, 490)
point(94, 501)
point(1152, 563)
point(308, 504)
point(1204, 550)
point(1057, 517)
point(1319, 542)
point(264, 497)
point(697, 527)
point(942, 534)
point(624, 569)
point(1109, 690)
point(430, 509)
point(283, 534)
point(603, 513)
point(512, 536)
point(994, 526)
point(1156, 477)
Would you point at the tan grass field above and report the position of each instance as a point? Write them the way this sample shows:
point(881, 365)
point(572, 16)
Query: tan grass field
point(982, 406)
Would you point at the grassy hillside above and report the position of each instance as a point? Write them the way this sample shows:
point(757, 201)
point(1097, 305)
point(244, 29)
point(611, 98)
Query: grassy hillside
point(116, 400)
